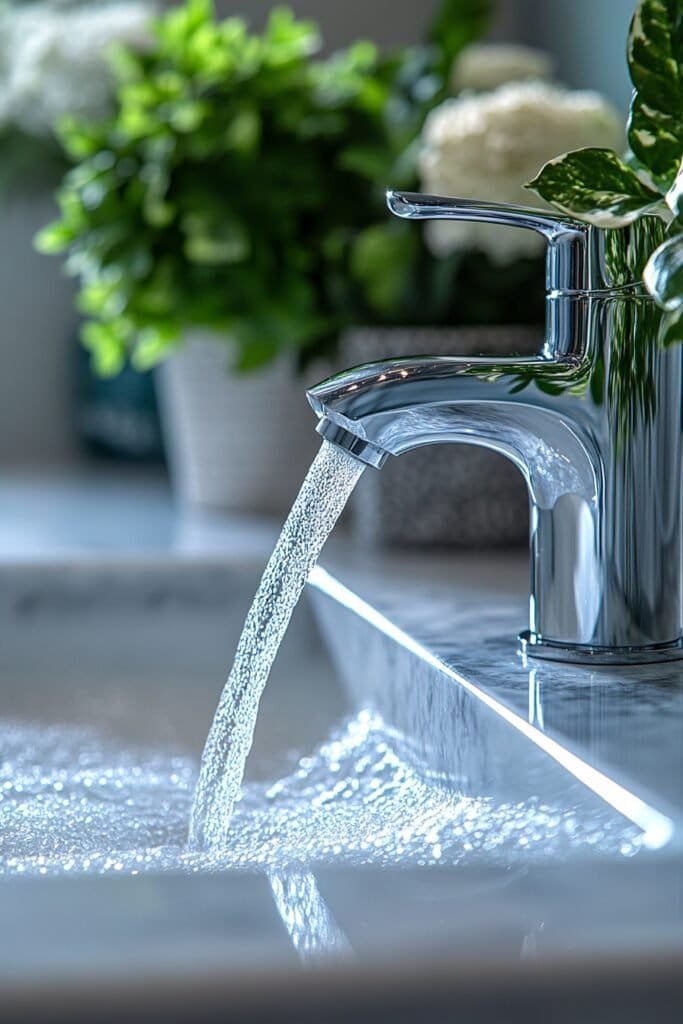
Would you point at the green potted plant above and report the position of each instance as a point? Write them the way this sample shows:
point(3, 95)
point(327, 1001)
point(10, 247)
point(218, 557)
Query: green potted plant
point(210, 221)
point(215, 222)
point(52, 63)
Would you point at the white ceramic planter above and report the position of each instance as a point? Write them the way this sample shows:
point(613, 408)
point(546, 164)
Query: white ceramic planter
point(235, 442)
point(441, 495)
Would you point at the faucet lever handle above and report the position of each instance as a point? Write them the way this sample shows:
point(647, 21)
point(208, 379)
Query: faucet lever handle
point(567, 264)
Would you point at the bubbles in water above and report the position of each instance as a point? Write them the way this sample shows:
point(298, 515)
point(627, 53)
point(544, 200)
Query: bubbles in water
point(360, 799)
point(313, 930)
point(71, 803)
point(323, 495)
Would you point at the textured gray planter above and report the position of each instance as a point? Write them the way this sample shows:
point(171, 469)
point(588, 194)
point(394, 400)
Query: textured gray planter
point(237, 443)
point(455, 495)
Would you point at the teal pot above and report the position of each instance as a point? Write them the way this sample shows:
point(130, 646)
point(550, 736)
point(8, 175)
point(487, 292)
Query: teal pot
point(235, 442)
point(441, 495)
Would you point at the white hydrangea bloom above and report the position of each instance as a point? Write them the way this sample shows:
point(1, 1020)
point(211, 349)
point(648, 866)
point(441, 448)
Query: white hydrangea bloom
point(485, 66)
point(53, 60)
point(487, 146)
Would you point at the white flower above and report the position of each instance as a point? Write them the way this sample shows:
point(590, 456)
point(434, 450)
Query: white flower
point(53, 60)
point(487, 146)
point(485, 66)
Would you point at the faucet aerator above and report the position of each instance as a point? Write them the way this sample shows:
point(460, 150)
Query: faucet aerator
point(362, 450)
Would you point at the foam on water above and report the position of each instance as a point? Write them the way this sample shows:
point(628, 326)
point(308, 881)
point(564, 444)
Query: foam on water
point(72, 802)
point(323, 495)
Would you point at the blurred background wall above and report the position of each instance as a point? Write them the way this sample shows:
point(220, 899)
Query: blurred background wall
point(587, 36)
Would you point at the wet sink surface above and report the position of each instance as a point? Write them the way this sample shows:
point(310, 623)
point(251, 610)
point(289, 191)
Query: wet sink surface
point(142, 654)
point(139, 656)
point(122, 667)
point(139, 652)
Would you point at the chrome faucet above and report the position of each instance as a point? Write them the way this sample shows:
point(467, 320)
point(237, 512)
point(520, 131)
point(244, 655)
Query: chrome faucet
point(593, 422)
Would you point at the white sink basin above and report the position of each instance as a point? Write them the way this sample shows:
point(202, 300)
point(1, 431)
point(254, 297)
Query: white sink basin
point(142, 652)
point(136, 654)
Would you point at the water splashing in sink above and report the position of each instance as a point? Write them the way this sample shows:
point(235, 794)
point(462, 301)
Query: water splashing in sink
point(74, 801)
point(323, 495)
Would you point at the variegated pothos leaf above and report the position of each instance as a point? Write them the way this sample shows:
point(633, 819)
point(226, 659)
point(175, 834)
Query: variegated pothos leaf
point(664, 273)
point(672, 327)
point(674, 197)
point(655, 57)
point(596, 185)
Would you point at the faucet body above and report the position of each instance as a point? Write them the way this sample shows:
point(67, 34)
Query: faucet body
point(593, 422)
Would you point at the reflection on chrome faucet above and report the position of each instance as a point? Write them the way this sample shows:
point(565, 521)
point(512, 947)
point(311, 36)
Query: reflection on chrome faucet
point(593, 422)
point(535, 700)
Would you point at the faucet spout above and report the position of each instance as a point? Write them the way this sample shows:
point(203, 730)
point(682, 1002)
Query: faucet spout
point(389, 408)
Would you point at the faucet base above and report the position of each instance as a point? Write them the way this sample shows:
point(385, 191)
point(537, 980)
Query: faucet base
point(533, 646)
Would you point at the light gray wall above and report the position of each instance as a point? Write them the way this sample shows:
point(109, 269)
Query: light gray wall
point(588, 38)
point(388, 22)
point(37, 332)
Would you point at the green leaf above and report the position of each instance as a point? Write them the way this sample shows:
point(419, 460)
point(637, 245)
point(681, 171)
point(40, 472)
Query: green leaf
point(106, 343)
point(655, 54)
point(288, 39)
point(78, 140)
point(373, 162)
point(126, 65)
point(457, 23)
point(226, 188)
point(101, 298)
point(244, 131)
point(655, 57)
point(53, 238)
point(664, 273)
point(674, 197)
point(153, 344)
point(672, 328)
point(381, 260)
point(177, 27)
point(597, 381)
point(656, 140)
point(215, 243)
point(254, 353)
point(187, 116)
point(597, 186)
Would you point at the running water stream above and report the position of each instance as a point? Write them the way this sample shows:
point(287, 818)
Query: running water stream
point(323, 495)
point(72, 801)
